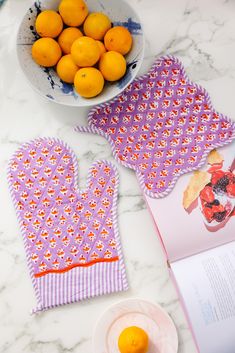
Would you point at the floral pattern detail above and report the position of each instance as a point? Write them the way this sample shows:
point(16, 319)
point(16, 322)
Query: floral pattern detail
point(162, 126)
point(63, 226)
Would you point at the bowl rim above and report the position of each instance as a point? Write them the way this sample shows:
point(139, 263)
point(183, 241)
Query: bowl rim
point(88, 100)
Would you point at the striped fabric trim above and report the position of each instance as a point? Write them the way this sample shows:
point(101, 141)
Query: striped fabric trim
point(80, 283)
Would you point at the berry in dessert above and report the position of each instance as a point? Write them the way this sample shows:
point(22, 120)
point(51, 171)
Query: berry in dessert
point(231, 190)
point(218, 197)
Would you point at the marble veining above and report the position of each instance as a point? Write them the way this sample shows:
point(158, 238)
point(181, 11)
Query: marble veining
point(202, 34)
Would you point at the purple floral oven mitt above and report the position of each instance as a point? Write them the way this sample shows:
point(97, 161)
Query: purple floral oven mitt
point(70, 236)
point(162, 125)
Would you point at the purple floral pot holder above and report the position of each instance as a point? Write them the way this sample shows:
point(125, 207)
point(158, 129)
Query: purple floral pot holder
point(70, 236)
point(162, 125)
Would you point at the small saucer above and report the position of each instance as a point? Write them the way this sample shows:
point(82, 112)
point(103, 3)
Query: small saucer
point(135, 312)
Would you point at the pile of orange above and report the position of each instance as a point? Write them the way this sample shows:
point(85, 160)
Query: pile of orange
point(85, 49)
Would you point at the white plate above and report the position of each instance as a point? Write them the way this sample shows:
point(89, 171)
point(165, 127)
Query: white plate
point(135, 312)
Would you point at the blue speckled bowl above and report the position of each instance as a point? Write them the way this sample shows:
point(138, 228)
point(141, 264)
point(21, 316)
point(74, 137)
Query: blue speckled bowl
point(46, 82)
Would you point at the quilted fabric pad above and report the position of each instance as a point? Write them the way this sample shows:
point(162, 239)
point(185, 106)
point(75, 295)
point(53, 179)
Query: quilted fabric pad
point(162, 125)
point(71, 236)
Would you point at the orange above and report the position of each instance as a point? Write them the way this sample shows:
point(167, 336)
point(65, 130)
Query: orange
point(46, 52)
point(133, 340)
point(101, 47)
point(112, 65)
point(66, 68)
point(96, 25)
point(88, 82)
point(85, 51)
point(73, 12)
point(67, 37)
point(49, 24)
point(118, 39)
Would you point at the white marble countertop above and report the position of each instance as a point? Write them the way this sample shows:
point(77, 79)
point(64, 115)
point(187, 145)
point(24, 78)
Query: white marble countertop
point(202, 34)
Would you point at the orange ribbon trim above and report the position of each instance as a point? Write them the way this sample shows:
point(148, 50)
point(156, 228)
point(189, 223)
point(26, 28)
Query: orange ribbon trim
point(75, 265)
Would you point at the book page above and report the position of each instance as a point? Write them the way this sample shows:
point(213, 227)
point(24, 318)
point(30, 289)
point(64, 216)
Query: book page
point(199, 213)
point(206, 283)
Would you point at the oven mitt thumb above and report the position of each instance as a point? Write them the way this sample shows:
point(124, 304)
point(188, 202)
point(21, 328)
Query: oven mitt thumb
point(70, 236)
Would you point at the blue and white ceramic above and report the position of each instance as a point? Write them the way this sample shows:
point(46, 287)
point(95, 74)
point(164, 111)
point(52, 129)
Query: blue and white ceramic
point(47, 83)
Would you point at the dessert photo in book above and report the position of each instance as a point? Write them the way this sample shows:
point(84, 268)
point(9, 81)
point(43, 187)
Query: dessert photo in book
point(196, 226)
point(199, 213)
point(213, 191)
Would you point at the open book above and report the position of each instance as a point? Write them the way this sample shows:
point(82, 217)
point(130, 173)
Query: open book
point(196, 225)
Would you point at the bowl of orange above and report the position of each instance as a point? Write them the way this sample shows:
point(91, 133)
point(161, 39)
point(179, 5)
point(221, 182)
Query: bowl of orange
point(80, 52)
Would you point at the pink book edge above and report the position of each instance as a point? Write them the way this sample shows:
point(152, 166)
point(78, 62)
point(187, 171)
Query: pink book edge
point(172, 276)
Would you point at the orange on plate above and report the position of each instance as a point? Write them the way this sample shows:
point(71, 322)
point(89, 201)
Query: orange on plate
point(73, 12)
point(66, 68)
point(85, 51)
point(49, 24)
point(96, 25)
point(89, 82)
point(112, 65)
point(67, 37)
point(133, 340)
point(118, 39)
point(46, 52)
